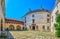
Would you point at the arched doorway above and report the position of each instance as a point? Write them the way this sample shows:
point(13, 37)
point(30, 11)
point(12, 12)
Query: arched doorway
point(18, 27)
point(11, 27)
point(48, 28)
point(33, 27)
point(43, 27)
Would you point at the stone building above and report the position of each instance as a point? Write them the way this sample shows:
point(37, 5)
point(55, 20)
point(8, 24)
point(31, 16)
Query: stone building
point(12, 24)
point(38, 20)
point(55, 11)
point(1, 14)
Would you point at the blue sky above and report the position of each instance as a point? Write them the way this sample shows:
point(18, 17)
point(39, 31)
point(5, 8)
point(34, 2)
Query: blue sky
point(15, 9)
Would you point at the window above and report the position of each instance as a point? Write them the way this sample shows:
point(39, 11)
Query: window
point(48, 15)
point(33, 15)
point(52, 18)
point(48, 28)
point(23, 28)
point(33, 20)
point(25, 19)
point(30, 27)
point(57, 13)
point(43, 27)
point(36, 27)
point(48, 20)
point(25, 25)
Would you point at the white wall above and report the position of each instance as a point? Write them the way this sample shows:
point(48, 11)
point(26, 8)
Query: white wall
point(57, 8)
point(40, 17)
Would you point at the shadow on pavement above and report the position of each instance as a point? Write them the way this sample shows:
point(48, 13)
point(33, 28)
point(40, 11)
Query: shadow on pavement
point(6, 35)
point(9, 35)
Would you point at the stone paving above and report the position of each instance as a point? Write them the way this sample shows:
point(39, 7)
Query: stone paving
point(30, 35)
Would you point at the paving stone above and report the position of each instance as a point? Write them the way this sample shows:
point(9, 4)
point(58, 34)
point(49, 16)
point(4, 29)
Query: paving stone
point(30, 35)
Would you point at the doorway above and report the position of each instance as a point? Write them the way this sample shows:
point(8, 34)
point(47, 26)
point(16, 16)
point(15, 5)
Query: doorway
point(33, 27)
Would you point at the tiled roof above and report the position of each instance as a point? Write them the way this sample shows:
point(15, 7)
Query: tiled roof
point(13, 21)
point(38, 10)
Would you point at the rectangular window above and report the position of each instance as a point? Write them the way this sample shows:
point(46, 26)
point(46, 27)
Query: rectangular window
point(52, 18)
point(33, 15)
point(48, 28)
point(43, 27)
point(48, 20)
point(33, 20)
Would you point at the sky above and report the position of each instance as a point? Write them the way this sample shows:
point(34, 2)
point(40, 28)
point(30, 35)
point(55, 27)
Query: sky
point(15, 9)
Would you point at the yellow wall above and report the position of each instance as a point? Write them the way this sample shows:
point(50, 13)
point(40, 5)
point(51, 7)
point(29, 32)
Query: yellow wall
point(15, 25)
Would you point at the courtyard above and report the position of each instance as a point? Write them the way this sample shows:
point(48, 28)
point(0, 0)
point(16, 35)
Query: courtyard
point(30, 35)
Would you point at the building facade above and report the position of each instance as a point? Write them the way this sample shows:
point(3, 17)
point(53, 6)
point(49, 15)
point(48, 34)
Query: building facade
point(42, 20)
point(11, 24)
point(38, 20)
point(1, 15)
point(55, 11)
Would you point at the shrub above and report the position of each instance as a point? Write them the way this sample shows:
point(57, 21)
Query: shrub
point(58, 33)
point(57, 25)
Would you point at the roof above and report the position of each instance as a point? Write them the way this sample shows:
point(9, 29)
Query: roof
point(13, 21)
point(38, 10)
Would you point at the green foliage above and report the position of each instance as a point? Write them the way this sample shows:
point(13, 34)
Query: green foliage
point(58, 18)
point(57, 25)
point(58, 33)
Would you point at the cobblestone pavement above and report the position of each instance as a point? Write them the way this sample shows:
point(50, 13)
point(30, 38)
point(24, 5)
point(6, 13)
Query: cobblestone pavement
point(31, 35)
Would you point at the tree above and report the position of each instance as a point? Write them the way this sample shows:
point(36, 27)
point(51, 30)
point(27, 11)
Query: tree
point(57, 25)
